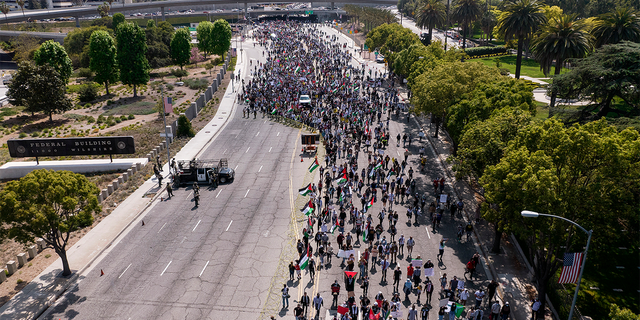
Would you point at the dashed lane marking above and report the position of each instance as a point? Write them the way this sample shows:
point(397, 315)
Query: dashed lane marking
point(257, 133)
point(205, 266)
point(270, 149)
point(247, 150)
point(125, 270)
point(229, 225)
point(194, 228)
point(260, 169)
point(428, 233)
point(162, 227)
point(245, 195)
point(218, 193)
point(165, 268)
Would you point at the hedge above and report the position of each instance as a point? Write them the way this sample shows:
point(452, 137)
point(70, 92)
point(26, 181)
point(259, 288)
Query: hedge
point(483, 51)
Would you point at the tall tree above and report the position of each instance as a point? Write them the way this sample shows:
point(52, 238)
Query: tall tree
point(53, 54)
point(560, 39)
point(610, 71)
point(21, 4)
point(4, 8)
point(118, 18)
point(520, 20)
point(431, 13)
point(221, 37)
point(435, 91)
point(204, 34)
point(102, 50)
point(132, 46)
point(466, 12)
point(50, 205)
point(181, 47)
point(589, 174)
point(103, 9)
point(619, 25)
point(39, 89)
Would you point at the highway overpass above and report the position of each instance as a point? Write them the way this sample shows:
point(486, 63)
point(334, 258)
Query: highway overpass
point(79, 12)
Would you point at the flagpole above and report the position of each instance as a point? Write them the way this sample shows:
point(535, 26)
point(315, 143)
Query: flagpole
point(531, 214)
point(166, 135)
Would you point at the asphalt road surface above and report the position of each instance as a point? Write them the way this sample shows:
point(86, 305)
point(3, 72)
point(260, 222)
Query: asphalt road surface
point(191, 262)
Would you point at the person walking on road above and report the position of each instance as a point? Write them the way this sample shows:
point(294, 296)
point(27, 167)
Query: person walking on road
point(535, 307)
point(397, 274)
point(413, 313)
point(491, 289)
point(169, 190)
point(305, 301)
point(335, 292)
point(428, 290)
point(479, 296)
point(440, 250)
point(506, 310)
point(285, 297)
point(410, 244)
point(384, 265)
point(495, 310)
point(318, 302)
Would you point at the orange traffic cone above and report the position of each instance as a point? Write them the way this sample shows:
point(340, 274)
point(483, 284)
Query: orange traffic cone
point(143, 222)
point(101, 273)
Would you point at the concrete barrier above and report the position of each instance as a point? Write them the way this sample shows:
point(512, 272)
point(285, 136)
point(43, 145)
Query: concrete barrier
point(133, 169)
point(130, 172)
point(115, 184)
point(3, 276)
point(32, 251)
point(22, 259)
point(105, 194)
point(110, 189)
point(12, 267)
point(40, 244)
point(138, 166)
point(120, 180)
point(149, 157)
point(125, 176)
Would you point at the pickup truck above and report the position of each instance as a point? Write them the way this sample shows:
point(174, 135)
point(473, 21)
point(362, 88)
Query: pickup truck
point(202, 171)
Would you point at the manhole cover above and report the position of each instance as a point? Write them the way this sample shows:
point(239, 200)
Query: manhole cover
point(207, 132)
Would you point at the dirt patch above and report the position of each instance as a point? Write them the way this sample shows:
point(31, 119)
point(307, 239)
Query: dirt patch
point(145, 129)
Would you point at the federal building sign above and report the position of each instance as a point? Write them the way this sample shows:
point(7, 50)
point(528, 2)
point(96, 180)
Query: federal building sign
point(20, 148)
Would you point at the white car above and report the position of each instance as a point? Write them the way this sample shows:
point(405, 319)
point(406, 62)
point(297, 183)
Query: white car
point(305, 99)
point(380, 59)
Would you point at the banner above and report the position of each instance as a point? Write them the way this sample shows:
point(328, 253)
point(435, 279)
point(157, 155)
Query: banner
point(443, 198)
point(429, 272)
point(416, 263)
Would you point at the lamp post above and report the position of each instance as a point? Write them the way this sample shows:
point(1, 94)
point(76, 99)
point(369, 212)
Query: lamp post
point(532, 214)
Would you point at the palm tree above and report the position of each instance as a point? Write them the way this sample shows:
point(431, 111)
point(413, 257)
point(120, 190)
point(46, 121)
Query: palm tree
point(466, 12)
point(560, 39)
point(4, 8)
point(521, 20)
point(488, 21)
point(21, 4)
point(613, 27)
point(431, 14)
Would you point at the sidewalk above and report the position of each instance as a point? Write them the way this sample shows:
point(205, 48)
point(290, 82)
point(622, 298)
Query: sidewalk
point(42, 291)
point(509, 267)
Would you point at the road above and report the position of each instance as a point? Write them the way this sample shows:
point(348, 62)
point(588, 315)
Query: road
point(191, 262)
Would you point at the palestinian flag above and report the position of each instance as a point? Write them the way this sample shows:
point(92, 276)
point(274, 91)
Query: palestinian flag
point(378, 166)
point(314, 165)
point(365, 233)
point(391, 173)
point(290, 109)
point(342, 179)
point(370, 203)
point(274, 111)
point(335, 226)
point(304, 262)
point(386, 315)
point(310, 221)
point(308, 208)
point(341, 197)
point(306, 190)
point(297, 69)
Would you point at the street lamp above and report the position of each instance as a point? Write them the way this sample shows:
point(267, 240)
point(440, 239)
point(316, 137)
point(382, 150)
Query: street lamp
point(532, 214)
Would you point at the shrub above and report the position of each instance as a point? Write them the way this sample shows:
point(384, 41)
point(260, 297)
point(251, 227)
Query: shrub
point(91, 119)
point(196, 84)
point(170, 87)
point(184, 127)
point(24, 135)
point(123, 117)
point(479, 51)
point(110, 121)
point(100, 119)
point(35, 134)
point(179, 73)
point(87, 93)
point(217, 61)
point(84, 73)
point(118, 119)
point(131, 117)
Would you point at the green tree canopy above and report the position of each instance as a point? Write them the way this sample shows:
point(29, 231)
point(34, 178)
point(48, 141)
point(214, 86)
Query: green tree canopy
point(204, 34)
point(76, 43)
point(181, 47)
point(622, 24)
point(588, 173)
point(466, 12)
point(391, 39)
point(431, 14)
point(50, 205)
point(118, 18)
point(132, 47)
point(53, 54)
point(611, 71)
point(39, 89)
point(102, 50)
point(221, 37)
point(159, 43)
point(434, 92)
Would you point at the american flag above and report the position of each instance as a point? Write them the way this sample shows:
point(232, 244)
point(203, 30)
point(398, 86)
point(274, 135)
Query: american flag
point(168, 107)
point(571, 268)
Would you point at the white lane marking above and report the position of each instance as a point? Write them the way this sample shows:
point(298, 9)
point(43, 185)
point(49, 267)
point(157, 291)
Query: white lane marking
point(264, 122)
point(225, 151)
point(165, 268)
point(245, 195)
point(125, 270)
point(270, 149)
point(234, 169)
point(229, 225)
point(398, 152)
point(183, 239)
point(247, 150)
point(358, 255)
point(260, 169)
point(205, 266)
point(188, 196)
point(257, 133)
point(162, 227)
point(278, 134)
point(218, 193)
point(194, 228)
point(429, 235)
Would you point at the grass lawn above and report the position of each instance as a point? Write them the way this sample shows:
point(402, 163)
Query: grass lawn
point(529, 68)
point(139, 107)
point(542, 110)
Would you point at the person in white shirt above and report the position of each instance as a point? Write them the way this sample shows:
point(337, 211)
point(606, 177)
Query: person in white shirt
point(317, 304)
point(495, 310)
point(464, 296)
